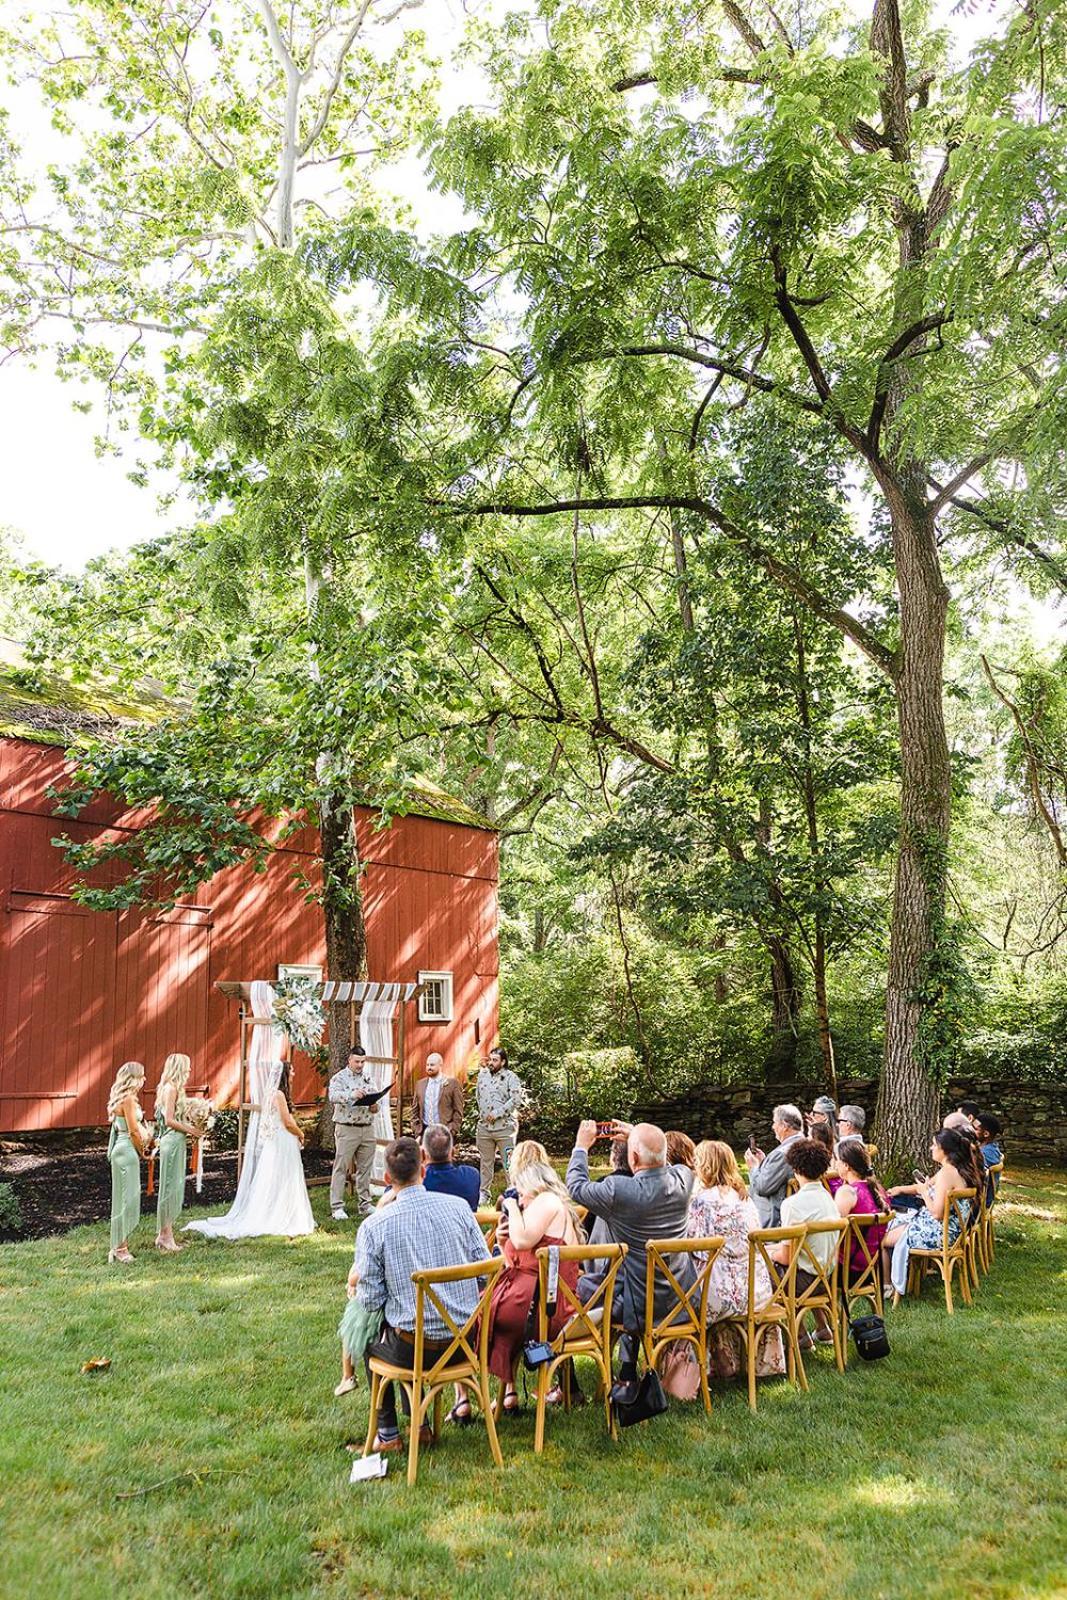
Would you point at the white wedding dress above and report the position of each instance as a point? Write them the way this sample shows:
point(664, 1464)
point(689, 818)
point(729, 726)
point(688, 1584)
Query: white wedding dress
point(272, 1196)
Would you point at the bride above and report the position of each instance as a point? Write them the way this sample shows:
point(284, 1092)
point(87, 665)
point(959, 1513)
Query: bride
point(272, 1195)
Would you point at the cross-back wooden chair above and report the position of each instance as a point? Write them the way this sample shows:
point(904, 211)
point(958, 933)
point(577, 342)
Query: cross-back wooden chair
point(488, 1219)
point(780, 1311)
point(866, 1281)
point(947, 1256)
point(823, 1293)
point(687, 1319)
point(464, 1359)
point(587, 1331)
point(986, 1244)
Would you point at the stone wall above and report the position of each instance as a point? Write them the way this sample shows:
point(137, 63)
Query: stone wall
point(1034, 1115)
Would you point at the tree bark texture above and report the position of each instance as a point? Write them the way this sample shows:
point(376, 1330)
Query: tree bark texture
point(908, 1096)
point(346, 934)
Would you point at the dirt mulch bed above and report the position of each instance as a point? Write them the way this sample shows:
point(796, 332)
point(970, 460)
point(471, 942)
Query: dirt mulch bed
point(56, 1191)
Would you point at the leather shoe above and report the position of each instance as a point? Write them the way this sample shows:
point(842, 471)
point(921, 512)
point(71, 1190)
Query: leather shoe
point(387, 1447)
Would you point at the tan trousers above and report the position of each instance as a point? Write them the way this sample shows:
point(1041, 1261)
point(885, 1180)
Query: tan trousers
point(490, 1144)
point(353, 1145)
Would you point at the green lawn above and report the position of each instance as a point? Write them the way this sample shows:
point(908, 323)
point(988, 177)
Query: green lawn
point(939, 1471)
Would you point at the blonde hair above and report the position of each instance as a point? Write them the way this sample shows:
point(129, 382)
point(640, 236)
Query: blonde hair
point(536, 1177)
point(525, 1152)
point(176, 1070)
point(716, 1167)
point(128, 1079)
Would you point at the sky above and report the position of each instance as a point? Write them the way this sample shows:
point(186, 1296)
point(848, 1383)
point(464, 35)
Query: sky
point(69, 504)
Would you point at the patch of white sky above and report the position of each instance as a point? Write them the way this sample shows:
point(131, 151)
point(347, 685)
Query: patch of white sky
point(69, 503)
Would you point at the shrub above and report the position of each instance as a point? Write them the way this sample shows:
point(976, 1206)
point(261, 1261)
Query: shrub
point(10, 1210)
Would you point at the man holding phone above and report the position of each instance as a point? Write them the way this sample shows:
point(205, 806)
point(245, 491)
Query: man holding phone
point(769, 1176)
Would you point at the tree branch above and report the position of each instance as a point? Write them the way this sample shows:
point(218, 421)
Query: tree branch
point(1033, 765)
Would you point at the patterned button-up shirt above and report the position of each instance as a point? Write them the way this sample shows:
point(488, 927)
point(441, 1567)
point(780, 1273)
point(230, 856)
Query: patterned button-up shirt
point(500, 1096)
point(345, 1086)
point(416, 1231)
point(432, 1102)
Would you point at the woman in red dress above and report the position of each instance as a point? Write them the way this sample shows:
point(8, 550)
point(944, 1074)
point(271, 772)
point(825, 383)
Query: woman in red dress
point(538, 1211)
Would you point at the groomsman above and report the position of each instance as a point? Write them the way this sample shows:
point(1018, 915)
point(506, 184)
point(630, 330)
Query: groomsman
point(438, 1099)
point(500, 1096)
point(354, 1142)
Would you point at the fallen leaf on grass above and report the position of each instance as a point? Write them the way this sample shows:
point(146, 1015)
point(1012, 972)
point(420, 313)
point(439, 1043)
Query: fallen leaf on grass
point(97, 1364)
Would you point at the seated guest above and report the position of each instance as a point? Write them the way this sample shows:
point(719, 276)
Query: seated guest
point(856, 1190)
point(619, 1161)
point(851, 1123)
point(652, 1204)
point(681, 1151)
point(418, 1230)
point(538, 1211)
point(960, 1121)
point(822, 1114)
point(769, 1175)
point(442, 1174)
point(720, 1207)
point(959, 1165)
point(820, 1132)
point(989, 1129)
point(970, 1109)
point(813, 1202)
point(527, 1151)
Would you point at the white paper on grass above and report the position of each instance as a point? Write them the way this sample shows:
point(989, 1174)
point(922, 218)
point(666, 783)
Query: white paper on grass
point(367, 1467)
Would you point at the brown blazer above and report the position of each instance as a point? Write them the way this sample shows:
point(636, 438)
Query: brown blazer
point(450, 1107)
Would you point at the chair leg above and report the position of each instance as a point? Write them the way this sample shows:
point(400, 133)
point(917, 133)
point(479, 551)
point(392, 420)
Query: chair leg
point(751, 1352)
point(542, 1407)
point(702, 1357)
point(802, 1375)
point(839, 1338)
point(946, 1273)
point(372, 1421)
point(413, 1436)
point(490, 1419)
point(438, 1412)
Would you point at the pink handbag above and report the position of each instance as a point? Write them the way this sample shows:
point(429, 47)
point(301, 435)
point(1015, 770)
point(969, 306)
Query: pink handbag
point(680, 1371)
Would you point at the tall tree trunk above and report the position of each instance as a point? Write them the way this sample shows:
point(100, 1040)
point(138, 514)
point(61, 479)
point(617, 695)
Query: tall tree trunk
point(908, 1097)
point(346, 934)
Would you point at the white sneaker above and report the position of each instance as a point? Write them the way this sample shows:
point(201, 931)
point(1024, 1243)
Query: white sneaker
point(345, 1386)
point(339, 1214)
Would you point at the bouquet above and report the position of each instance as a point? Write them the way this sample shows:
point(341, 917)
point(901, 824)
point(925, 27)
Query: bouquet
point(299, 1013)
point(200, 1114)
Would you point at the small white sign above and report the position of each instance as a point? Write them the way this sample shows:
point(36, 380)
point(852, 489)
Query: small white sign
point(366, 1467)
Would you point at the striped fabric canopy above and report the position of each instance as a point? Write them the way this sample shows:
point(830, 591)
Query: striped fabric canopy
point(359, 993)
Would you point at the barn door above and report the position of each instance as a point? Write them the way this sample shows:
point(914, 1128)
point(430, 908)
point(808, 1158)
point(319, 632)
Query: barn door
point(57, 966)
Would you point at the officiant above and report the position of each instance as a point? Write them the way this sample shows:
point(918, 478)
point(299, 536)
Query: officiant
point(353, 1095)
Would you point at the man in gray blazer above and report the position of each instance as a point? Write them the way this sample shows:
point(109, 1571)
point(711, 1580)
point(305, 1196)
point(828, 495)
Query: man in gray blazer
point(769, 1176)
point(653, 1203)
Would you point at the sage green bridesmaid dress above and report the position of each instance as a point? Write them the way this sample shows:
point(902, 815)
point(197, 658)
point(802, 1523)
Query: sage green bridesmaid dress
point(125, 1182)
point(172, 1147)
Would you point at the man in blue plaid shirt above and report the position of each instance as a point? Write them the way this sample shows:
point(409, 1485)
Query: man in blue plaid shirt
point(414, 1231)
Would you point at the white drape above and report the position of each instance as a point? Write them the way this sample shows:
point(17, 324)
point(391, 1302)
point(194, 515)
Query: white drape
point(376, 1037)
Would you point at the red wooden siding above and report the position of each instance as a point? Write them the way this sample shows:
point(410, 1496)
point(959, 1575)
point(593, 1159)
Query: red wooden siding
point(82, 991)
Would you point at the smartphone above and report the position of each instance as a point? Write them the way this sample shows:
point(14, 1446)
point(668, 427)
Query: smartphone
point(752, 1145)
point(604, 1130)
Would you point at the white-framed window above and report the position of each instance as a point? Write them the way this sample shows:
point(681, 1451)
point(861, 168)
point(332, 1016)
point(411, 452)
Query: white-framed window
point(435, 1002)
point(297, 969)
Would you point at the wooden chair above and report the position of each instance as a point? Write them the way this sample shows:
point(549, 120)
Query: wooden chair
point(822, 1294)
point(947, 1257)
point(865, 1282)
point(687, 1319)
point(587, 1331)
point(780, 1310)
point(985, 1242)
point(462, 1360)
point(488, 1219)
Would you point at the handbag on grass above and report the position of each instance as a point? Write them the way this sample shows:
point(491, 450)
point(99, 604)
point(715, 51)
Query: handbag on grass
point(681, 1371)
point(869, 1337)
point(649, 1401)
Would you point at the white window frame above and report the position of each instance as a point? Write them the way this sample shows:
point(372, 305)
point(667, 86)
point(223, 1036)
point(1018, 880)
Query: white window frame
point(445, 1013)
point(299, 969)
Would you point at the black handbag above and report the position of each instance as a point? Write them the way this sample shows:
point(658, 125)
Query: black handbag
point(649, 1401)
point(869, 1337)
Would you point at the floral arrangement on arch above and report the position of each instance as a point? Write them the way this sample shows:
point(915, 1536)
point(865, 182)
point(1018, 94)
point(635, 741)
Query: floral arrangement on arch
point(298, 1011)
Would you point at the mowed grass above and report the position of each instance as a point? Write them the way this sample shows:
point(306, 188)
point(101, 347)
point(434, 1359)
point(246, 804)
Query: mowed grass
point(940, 1471)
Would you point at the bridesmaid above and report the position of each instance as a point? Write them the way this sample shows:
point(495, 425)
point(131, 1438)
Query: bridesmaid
point(127, 1144)
point(172, 1136)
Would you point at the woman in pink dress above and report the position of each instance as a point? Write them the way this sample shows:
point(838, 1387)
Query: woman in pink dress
point(720, 1206)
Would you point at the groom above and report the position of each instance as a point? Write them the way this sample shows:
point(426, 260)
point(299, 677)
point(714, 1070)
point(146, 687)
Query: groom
point(353, 1132)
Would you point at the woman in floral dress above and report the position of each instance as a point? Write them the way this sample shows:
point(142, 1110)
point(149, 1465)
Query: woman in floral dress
point(721, 1206)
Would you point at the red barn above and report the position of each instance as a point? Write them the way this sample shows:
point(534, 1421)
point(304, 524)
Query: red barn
point(82, 991)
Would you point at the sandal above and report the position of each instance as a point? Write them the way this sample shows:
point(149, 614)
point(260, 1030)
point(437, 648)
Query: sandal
point(554, 1397)
point(512, 1404)
point(461, 1414)
point(345, 1386)
point(120, 1258)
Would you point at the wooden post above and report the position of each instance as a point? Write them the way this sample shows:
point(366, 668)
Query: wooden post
point(400, 1054)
